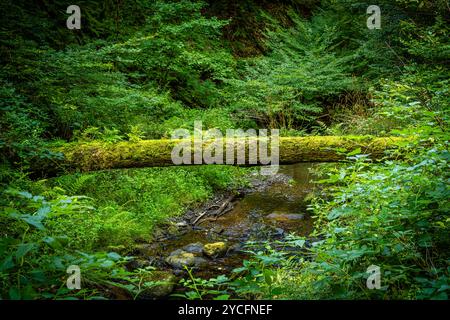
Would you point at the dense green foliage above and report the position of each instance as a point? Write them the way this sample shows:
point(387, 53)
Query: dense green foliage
point(140, 69)
point(392, 214)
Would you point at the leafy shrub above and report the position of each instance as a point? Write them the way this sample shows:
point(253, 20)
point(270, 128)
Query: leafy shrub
point(35, 253)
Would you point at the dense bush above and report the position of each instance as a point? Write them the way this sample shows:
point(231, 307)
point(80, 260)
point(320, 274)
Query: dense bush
point(34, 257)
point(392, 214)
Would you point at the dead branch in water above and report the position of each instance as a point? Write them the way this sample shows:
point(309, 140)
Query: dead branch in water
point(225, 207)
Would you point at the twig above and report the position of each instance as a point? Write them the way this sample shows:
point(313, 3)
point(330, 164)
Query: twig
point(223, 208)
point(228, 209)
point(199, 217)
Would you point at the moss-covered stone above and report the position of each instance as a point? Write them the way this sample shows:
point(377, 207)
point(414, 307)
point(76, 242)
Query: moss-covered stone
point(179, 259)
point(157, 284)
point(215, 249)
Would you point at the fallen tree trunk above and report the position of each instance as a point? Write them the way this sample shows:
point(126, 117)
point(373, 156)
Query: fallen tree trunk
point(150, 153)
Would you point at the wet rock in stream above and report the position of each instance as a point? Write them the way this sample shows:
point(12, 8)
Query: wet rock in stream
point(214, 250)
point(179, 258)
point(138, 264)
point(195, 248)
point(191, 255)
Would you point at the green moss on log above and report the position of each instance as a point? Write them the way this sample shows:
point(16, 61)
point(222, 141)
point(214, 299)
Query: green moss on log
point(325, 148)
point(149, 153)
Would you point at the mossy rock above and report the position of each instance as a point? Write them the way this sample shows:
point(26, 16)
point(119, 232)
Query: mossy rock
point(144, 249)
point(179, 258)
point(121, 249)
point(215, 249)
point(138, 264)
point(157, 284)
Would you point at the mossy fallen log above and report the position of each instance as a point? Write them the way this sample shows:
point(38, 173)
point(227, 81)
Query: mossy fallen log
point(92, 156)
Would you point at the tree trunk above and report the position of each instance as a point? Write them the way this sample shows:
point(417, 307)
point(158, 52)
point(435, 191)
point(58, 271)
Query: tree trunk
point(154, 153)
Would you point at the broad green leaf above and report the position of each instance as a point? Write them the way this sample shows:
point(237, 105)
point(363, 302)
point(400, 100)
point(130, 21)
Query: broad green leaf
point(23, 249)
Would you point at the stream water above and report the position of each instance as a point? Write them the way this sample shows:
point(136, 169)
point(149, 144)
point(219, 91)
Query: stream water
point(270, 213)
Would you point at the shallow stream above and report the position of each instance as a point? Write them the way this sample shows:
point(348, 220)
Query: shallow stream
point(269, 213)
